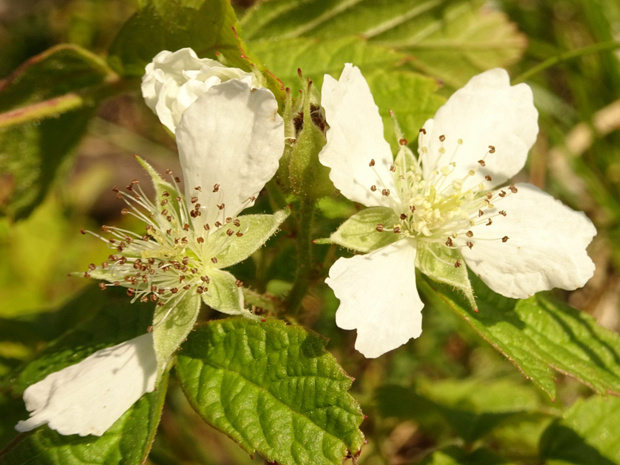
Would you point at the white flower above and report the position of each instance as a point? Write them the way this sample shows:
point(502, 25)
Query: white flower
point(88, 397)
point(230, 141)
point(174, 80)
point(442, 209)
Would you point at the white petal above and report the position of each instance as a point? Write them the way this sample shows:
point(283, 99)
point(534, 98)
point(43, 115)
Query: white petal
point(378, 297)
point(88, 397)
point(355, 137)
point(546, 246)
point(173, 81)
point(231, 136)
point(486, 112)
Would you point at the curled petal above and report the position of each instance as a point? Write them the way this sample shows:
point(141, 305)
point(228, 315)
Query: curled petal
point(540, 244)
point(487, 120)
point(355, 137)
point(230, 141)
point(378, 297)
point(88, 397)
point(174, 80)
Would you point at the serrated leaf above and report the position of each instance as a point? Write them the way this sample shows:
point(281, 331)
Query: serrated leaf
point(540, 335)
point(204, 25)
point(256, 230)
point(47, 104)
point(272, 388)
point(588, 434)
point(451, 40)
point(360, 233)
point(171, 325)
point(127, 442)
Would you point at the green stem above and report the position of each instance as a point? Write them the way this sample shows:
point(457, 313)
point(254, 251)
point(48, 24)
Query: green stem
point(603, 46)
point(304, 257)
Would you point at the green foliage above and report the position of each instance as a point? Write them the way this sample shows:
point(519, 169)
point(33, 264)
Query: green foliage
point(588, 433)
point(204, 25)
point(273, 388)
point(449, 40)
point(43, 120)
point(540, 335)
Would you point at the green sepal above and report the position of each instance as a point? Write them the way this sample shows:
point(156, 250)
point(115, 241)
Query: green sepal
point(445, 265)
point(273, 388)
point(256, 229)
point(223, 294)
point(172, 324)
point(308, 177)
point(360, 233)
point(159, 184)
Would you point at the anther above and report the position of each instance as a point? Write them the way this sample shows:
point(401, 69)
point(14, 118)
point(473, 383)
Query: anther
point(83, 231)
point(480, 213)
point(490, 222)
point(221, 206)
point(491, 149)
point(200, 290)
point(373, 188)
point(396, 230)
point(217, 224)
point(206, 227)
point(102, 286)
point(200, 240)
point(131, 291)
point(412, 208)
point(230, 232)
point(239, 234)
point(457, 264)
point(488, 178)
point(392, 168)
point(237, 222)
point(177, 179)
point(174, 290)
point(239, 283)
point(216, 187)
point(214, 259)
point(403, 141)
point(449, 242)
point(442, 138)
point(385, 192)
point(513, 189)
point(505, 239)
point(422, 130)
point(469, 234)
point(403, 216)
point(379, 227)
point(228, 220)
point(194, 199)
point(482, 163)
point(502, 212)
point(372, 162)
point(124, 211)
point(469, 244)
point(502, 193)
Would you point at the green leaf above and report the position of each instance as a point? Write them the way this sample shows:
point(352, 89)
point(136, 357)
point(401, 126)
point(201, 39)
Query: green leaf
point(256, 230)
point(223, 293)
point(446, 265)
point(47, 104)
point(451, 40)
point(539, 335)
point(360, 233)
point(272, 388)
point(172, 325)
point(127, 442)
point(204, 25)
point(588, 434)
point(471, 407)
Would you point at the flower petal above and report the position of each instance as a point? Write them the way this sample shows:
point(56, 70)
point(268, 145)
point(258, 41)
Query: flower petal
point(355, 137)
point(486, 112)
point(378, 297)
point(88, 397)
point(174, 80)
point(230, 141)
point(546, 245)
